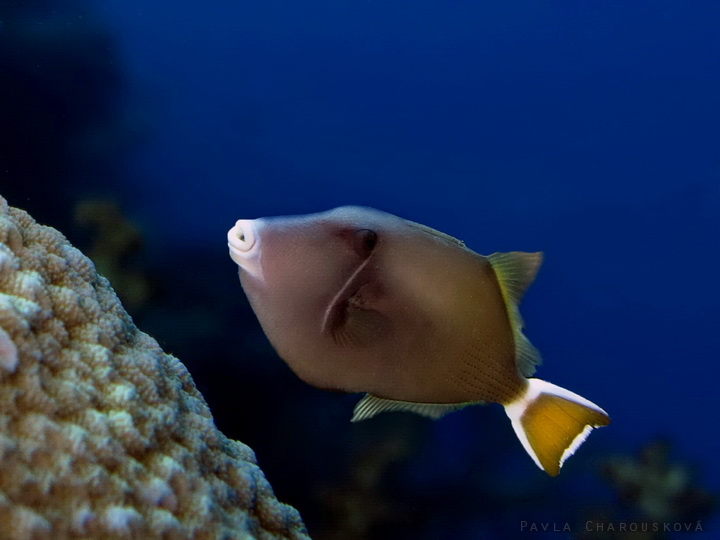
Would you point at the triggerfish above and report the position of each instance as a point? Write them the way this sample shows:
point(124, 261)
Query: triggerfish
point(358, 300)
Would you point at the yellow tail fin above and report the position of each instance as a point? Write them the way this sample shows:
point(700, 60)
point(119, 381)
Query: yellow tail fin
point(552, 423)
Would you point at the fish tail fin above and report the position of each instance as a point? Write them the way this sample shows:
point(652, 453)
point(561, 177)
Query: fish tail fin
point(552, 423)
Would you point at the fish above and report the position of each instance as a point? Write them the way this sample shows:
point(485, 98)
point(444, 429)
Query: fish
point(358, 300)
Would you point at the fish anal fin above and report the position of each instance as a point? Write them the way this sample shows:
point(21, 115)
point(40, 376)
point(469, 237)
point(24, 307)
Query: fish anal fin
point(552, 423)
point(371, 405)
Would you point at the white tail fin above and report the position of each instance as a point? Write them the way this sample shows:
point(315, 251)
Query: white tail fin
point(552, 423)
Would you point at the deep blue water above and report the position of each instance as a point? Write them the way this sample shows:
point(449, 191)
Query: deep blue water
point(588, 130)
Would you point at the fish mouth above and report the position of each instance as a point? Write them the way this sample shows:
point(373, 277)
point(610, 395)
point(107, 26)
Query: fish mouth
point(241, 240)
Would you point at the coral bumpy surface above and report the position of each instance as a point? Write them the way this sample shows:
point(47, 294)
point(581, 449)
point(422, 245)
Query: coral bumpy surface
point(102, 434)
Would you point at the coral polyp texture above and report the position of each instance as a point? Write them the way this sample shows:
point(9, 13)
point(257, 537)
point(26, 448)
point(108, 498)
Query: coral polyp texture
point(102, 434)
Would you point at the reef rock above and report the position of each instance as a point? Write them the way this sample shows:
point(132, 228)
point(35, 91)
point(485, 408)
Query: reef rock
point(102, 434)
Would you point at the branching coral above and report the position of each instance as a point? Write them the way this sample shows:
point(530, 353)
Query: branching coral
point(658, 488)
point(102, 435)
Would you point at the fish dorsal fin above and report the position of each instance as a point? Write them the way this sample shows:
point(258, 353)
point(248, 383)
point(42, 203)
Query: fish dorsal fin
point(515, 271)
point(526, 354)
point(436, 233)
point(371, 405)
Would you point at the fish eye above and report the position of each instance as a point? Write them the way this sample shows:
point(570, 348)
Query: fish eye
point(364, 242)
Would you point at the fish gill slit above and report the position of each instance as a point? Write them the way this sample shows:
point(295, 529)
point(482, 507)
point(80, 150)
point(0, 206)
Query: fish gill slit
point(327, 316)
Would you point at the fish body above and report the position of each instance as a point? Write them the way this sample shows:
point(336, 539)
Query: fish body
point(359, 300)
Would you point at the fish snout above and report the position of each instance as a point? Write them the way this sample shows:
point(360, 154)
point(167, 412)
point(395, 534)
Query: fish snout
point(241, 240)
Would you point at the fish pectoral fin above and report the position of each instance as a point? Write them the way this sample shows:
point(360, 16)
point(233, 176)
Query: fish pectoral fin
point(359, 328)
point(371, 405)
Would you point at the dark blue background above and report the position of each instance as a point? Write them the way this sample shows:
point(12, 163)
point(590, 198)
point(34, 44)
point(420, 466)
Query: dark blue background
point(589, 130)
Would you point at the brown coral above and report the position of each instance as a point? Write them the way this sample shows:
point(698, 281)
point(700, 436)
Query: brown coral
point(102, 435)
point(115, 244)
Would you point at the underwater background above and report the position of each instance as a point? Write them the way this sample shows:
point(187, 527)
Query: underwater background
point(588, 130)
